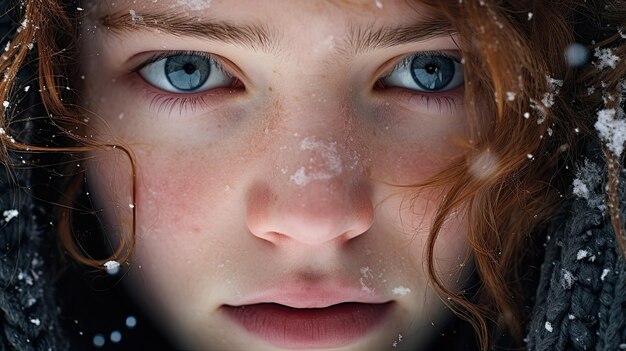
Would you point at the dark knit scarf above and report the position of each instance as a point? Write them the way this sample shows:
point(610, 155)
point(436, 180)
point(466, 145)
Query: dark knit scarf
point(29, 316)
point(581, 297)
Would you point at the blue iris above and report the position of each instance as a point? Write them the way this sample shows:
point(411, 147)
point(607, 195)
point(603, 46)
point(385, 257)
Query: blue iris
point(432, 72)
point(187, 72)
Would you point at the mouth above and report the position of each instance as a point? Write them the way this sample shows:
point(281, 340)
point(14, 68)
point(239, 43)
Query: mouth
point(302, 328)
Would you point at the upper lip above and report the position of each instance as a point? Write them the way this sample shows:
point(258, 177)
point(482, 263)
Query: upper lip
point(312, 295)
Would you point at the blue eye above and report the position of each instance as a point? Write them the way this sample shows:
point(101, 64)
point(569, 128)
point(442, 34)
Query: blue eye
point(186, 73)
point(426, 72)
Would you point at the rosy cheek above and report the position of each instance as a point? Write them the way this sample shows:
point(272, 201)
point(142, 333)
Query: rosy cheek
point(410, 164)
point(410, 146)
point(164, 191)
point(177, 193)
point(180, 193)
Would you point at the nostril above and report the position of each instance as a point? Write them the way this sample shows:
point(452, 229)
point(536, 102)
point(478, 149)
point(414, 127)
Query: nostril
point(271, 237)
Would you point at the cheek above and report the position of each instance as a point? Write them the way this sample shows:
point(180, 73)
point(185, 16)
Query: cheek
point(412, 163)
point(181, 202)
point(167, 190)
point(174, 190)
point(181, 194)
point(451, 250)
point(408, 165)
point(410, 148)
point(451, 247)
point(411, 212)
point(407, 214)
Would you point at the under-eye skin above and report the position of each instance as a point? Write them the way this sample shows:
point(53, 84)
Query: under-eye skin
point(428, 72)
point(185, 72)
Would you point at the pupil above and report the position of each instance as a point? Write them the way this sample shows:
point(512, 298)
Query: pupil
point(189, 68)
point(431, 69)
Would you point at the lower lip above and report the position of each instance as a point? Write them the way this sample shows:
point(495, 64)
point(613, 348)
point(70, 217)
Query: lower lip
point(299, 328)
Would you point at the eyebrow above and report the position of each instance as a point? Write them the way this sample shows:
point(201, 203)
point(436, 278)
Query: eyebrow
point(253, 36)
point(360, 39)
point(261, 37)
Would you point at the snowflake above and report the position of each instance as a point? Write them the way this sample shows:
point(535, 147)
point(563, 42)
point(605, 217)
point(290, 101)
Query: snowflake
point(588, 180)
point(611, 126)
point(606, 58)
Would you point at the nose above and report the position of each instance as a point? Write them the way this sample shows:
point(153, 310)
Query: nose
point(318, 201)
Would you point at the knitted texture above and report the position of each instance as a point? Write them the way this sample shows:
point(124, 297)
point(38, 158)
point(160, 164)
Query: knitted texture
point(29, 319)
point(30, 316)
point(581, 297)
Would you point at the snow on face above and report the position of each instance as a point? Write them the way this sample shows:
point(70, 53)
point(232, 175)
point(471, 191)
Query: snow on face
point(195, 4)
point(326, 165)
point(366, 273)
point(401, 290)
point(134, 16)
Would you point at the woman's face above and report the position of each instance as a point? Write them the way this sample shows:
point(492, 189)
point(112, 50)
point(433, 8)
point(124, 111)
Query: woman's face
point(270, 139)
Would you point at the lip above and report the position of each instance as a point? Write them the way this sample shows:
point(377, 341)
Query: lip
point(302, 317)
point(302, 328)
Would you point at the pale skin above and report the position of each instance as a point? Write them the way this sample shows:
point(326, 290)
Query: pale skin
point(286, 175)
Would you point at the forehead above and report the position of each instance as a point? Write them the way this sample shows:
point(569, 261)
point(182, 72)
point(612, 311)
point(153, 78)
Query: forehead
point(250, 7)
point(348, 26)
point(274, 12)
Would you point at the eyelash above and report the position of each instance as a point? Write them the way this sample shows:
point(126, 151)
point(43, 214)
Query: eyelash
point(406, 60)
point(441, 101)
point(161, 101)
point(182, 102)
